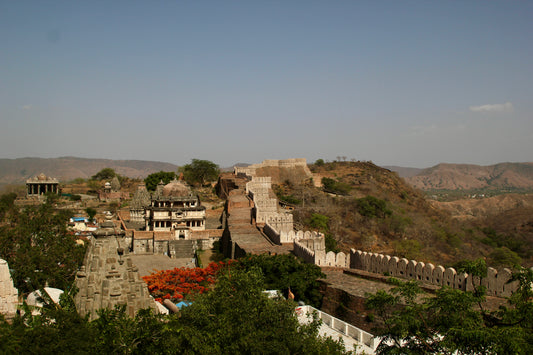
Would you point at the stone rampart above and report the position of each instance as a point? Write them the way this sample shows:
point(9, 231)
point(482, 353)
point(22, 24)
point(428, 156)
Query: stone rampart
point(497, 281)
point(283, 222)
point(265, 205)
point(288, 236)
point(313, 251)
point(285, 163)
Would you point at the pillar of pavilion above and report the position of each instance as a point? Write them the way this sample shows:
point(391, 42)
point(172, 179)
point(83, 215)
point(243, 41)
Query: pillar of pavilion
point(40, 185)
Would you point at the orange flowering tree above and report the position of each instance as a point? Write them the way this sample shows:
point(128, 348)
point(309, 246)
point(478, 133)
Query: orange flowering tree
point(183, 283)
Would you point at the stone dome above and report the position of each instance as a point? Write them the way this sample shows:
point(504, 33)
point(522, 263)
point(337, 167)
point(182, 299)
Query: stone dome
point(176, 188)
point(42, 177)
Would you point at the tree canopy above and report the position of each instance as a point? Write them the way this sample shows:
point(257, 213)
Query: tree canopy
point(200, 172)
point(281, 272)
point(104, 174)
point(36, 244)
point(453, 321)
point(238, 318)
point(152, 180)
point(234, 317)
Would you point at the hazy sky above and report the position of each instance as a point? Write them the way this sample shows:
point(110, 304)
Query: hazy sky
point(411, 83)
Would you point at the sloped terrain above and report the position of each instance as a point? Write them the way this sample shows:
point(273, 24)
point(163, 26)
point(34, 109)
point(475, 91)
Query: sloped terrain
point(375, 210)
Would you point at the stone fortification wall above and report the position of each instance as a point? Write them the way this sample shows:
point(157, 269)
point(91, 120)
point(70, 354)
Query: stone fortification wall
point(108, 278)
point(266, 204)
point(282, 235)
point(271, 163)
point(313, 251)
point(8, 293)
point(496, 281)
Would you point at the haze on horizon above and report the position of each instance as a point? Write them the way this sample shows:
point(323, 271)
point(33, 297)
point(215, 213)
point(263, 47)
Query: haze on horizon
point(409, 83)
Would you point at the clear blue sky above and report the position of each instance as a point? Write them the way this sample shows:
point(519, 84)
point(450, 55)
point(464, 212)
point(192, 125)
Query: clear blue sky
point(410, 83)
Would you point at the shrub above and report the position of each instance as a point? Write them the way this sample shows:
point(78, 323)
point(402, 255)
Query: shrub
point(335, 186)
point(372, 207)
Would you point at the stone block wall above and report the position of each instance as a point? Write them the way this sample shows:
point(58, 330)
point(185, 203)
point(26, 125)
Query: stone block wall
point(288, 236)
point(497, 281)
point(313, 251)
point(8, 293)
point(286, 163)
point(283, 222)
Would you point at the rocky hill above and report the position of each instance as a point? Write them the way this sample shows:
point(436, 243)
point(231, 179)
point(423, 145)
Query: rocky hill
point(16, 171)
point(371, 208)
point(404, 172)
point(482, 208)
point(511, 176)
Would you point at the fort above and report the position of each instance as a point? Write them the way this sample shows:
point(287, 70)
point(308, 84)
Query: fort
point(171, 222)
point(310, 245)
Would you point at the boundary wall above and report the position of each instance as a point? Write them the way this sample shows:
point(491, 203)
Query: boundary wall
point(496, 283)
point(285, 163)
point(279, 227)
point(310, 246)
point(265, 204)
point(280, 235)
point(313, 251)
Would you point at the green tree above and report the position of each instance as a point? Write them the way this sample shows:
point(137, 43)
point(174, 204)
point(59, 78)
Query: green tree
point(7, 204)
point(319, 162)
point(152, 180)
point(104, 174)
point(39, 248)
point(453, 321)
point(372, 207)
point(503, 257)
point(335, 186)
point(235, 317)
point(282, 272)
point(199, 172)
point(91, 212)
point(238, 318)
point(319, 221)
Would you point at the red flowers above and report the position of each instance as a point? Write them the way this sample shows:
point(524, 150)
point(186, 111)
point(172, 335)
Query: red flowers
point(180, 283)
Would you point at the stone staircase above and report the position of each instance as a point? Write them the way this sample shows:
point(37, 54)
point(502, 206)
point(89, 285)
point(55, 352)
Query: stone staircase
point(182, 249)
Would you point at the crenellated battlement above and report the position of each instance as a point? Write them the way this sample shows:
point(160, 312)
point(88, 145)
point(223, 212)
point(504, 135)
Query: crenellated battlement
point(496, 283)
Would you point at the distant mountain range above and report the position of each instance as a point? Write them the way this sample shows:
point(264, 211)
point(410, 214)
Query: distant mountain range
point(16, 171)
point(439, 177)
point(403, 171)
point(468, 177)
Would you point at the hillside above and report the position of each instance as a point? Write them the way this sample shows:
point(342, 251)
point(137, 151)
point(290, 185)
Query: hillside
point(367, 207)
point(404, 172)
point(472, 209)
point(16, 171)
point(375, 210)
point(503, 176)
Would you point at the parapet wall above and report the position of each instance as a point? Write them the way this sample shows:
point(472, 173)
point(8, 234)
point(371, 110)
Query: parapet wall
point(497, 281)
point(313, 251)
point(259, 189)
point(281, 236)
point(286, 163)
